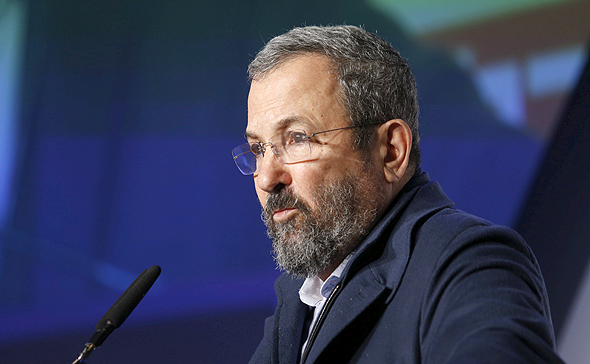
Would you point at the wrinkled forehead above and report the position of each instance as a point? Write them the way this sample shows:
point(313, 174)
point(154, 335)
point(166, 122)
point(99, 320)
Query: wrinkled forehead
point(278, 128)
point(302, 92)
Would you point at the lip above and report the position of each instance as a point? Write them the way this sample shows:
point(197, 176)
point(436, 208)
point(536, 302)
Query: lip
point(283, 214)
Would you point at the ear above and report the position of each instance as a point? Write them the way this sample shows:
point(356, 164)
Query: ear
point(395, 140)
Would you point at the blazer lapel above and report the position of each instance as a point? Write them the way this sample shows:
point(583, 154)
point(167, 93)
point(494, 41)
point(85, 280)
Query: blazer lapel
point(290, 322)
point(350, 304)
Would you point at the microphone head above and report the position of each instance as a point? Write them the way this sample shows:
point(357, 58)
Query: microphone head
point(127, 302)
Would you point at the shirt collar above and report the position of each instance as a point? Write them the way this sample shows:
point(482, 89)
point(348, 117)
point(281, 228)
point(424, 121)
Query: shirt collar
point(314, 290)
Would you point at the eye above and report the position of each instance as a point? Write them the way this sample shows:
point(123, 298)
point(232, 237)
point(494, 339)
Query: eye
point(296, 137)
point(257, 149)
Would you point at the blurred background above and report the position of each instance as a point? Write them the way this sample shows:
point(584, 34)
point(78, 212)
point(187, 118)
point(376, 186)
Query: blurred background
point(117, 118)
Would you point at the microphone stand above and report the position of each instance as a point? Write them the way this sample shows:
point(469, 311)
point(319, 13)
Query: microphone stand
point(120, 310)
point(95, 341)
point(84, 354)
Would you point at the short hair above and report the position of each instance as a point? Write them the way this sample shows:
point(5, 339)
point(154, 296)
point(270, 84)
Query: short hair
point(376, 81)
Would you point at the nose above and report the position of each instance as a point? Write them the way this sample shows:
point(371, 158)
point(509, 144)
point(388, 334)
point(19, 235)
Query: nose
point(271, 173)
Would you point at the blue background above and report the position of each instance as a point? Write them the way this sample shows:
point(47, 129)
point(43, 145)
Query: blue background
point(128, 112)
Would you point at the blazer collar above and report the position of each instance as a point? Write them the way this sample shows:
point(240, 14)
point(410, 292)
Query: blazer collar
point(390, 241)
point(377, 268)
point(374, 272)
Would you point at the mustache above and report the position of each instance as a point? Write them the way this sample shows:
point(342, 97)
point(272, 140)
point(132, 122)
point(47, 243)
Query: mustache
point(283, 199)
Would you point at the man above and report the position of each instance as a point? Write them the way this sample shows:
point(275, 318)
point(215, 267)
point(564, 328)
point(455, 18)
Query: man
point(378, 265)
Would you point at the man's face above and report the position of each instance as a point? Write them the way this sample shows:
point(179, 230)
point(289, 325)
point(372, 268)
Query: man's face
point(315, 210)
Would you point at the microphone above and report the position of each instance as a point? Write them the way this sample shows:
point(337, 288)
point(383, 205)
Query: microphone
point(120, 310)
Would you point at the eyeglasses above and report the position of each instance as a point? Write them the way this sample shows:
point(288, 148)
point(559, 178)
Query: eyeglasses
point(293, 147)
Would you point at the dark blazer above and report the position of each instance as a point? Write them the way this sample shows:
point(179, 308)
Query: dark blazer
point(429, 284)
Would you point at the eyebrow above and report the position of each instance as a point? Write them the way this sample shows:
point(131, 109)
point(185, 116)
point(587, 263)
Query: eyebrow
point(281, 124)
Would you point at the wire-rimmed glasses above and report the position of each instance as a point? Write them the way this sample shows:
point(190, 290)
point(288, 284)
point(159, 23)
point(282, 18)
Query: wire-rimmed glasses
point(292, 146)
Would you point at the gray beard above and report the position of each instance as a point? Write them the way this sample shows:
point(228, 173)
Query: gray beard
point(307, 244)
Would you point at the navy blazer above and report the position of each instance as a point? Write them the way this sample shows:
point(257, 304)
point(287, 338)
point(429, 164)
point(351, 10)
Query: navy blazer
point(429, 284)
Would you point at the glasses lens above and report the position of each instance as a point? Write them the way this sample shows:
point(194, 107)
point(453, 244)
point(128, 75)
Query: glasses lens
point(244, 158)
point(296, 146)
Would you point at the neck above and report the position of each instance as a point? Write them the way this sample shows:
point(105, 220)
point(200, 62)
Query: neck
point(332, 267)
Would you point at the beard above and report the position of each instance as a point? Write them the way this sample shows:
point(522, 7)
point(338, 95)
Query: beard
point(313, 240)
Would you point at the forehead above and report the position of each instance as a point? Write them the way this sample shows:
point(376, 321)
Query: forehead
point(303, 92)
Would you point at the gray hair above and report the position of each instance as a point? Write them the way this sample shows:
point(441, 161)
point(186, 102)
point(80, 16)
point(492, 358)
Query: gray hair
point(376, 81)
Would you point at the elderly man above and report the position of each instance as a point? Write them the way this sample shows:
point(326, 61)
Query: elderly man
point(379, 267)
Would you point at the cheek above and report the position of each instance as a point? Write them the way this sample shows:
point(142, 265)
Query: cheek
point(306, 183)
point(323, 171)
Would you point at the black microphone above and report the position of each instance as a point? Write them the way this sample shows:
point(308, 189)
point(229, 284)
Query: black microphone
point(120, 310)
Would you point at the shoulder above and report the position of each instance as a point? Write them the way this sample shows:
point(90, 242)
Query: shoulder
point(453, 229)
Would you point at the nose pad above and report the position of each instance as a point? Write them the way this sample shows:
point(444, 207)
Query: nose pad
point(276, 152)
point(264, 146)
